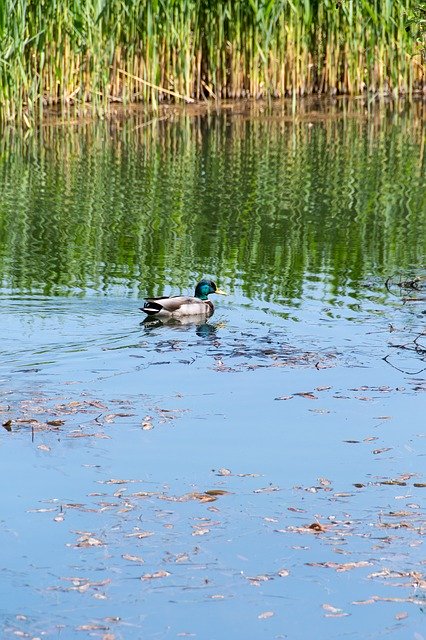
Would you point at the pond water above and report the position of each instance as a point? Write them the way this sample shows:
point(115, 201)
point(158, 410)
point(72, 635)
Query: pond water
point(298, 405)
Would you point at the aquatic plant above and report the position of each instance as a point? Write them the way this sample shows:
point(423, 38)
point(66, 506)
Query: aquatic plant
point(98, 52)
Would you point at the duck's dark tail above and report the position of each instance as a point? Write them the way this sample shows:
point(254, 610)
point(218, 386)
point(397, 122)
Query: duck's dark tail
point(151, 308)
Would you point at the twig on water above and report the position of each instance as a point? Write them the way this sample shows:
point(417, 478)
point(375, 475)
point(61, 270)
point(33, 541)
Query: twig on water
point(412, 346)
point(415, 283)
point(409, 373)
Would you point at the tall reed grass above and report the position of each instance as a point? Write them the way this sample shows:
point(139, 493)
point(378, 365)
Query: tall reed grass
point(100, 51)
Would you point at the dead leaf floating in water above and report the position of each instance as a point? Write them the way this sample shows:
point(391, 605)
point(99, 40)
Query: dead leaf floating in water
point(83, 584)
point(43, 447)
point(181, 557)
point(401, 615)
point(256, 580)
point(333, 612)
point(265, 615)
point(200, 532)
point(202, 497)
point(91, 627)
point(217, 492)
point(89, 541)
point(339, 567)
point(156, 575)
point(140, 534)
point(324, 482)
point(317, 527)
point(127, 556)
point(267, 489)
point(416, 579)
point(308, 395)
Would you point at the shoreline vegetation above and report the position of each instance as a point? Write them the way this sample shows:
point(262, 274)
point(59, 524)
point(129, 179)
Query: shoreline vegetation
point(83, 57)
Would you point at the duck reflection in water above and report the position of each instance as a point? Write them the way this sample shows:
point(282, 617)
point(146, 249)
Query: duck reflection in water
point(202, 328)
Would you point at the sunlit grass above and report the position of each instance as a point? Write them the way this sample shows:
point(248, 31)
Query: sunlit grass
point(94, 51)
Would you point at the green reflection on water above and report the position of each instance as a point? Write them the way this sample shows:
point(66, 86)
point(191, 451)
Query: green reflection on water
point(256, 198)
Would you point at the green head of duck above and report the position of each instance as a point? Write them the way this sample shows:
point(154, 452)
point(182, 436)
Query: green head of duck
point(205, 287)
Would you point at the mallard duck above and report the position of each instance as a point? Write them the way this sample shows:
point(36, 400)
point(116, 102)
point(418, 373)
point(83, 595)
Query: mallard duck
point(177, 306)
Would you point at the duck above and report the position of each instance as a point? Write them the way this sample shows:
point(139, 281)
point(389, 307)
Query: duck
point(180, 306)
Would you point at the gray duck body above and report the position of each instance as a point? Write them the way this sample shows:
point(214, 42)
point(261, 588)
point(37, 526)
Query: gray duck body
point(179, 306)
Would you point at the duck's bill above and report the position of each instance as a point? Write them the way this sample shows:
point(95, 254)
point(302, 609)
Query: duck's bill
point(220, 292)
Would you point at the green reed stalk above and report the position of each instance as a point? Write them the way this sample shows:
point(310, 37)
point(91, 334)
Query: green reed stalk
point(74, 53)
